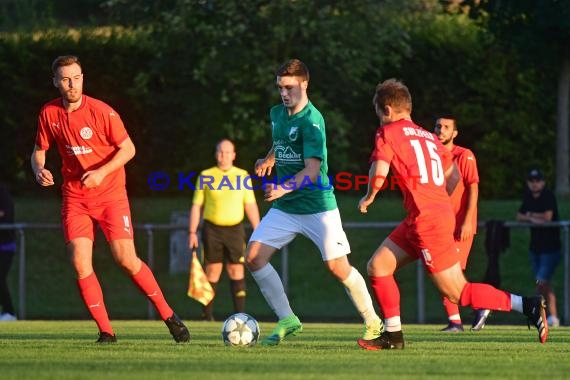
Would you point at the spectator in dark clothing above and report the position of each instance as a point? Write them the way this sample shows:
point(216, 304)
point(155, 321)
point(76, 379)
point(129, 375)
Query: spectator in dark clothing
point(7, 251)
point(539, 206)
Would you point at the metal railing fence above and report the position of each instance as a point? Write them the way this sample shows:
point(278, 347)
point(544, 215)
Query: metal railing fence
point(150, 228)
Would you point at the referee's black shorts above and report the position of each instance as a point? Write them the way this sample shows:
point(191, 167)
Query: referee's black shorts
point(223, 243)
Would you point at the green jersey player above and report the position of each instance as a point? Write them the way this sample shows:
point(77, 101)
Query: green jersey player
point(303, 203)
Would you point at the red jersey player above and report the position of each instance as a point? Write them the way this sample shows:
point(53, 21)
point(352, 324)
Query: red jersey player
point(426, 233)
point(94, 147)
point(464, 202)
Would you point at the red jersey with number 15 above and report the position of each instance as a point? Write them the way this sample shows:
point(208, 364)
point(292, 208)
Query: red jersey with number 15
point(86, 139)
point(418, 161)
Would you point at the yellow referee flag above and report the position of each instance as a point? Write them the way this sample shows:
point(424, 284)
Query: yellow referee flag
point(199, 287)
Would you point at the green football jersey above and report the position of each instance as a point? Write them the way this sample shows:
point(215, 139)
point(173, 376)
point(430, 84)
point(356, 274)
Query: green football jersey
point(296, 138)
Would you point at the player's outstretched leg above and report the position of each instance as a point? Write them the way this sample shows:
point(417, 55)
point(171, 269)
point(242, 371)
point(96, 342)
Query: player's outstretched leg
point(290, 325)
point(535, 310)
point(387, 341)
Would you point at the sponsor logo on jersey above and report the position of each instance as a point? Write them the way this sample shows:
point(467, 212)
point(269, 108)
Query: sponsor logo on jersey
point(294, 133)
point(78, 150)
point(287, 154)
point(86, 133)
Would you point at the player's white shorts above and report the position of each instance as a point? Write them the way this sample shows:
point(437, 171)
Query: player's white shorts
point(278, 228)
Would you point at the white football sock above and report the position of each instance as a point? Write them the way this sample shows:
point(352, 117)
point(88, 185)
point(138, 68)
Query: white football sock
point(516, 303)
point(272, 289)
point(357, 291)
point(393, 324)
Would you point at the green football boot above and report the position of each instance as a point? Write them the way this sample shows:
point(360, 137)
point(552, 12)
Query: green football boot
point(285, 327)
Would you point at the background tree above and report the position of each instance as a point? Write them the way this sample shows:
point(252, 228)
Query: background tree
point(185, 73)
point(539, 30)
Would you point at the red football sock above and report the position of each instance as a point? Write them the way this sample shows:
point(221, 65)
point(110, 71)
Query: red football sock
point(92, 295)
point(146, 282)
point(452, 310)
point(484, 296)
point(387, 295)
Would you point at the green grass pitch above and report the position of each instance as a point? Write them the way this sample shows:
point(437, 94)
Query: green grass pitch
point(66, 350)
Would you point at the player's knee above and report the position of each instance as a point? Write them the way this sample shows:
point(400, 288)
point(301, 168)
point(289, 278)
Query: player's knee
point(374, 268)
point(253, 262)
point(340, 267)
point(257, 256)
point(453, 297)
point(130, 265)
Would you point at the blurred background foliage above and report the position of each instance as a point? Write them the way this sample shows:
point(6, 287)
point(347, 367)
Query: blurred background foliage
point(185, 73)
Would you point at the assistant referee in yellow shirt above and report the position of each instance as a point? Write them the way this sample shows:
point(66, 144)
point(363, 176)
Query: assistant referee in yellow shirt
point(223, 193)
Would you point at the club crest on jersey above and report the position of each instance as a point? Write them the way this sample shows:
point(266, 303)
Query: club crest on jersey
point(86, 133)
point(293, 133)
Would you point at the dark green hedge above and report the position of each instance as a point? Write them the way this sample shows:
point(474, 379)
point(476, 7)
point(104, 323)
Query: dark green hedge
point(189, 78)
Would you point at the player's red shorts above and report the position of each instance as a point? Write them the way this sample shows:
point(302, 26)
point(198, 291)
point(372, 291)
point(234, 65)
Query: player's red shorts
point(80, 218)
point(429, 238)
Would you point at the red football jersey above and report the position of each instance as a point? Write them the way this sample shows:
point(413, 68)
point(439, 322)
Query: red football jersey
point(467, 165)
point(418, 161)
point(86, 139)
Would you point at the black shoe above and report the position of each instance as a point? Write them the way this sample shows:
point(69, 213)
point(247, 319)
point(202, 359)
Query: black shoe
point(453, 327)
point(386, 341)
point(177, 329)
point(535, 310)
point(106, 338)
point(481, 316)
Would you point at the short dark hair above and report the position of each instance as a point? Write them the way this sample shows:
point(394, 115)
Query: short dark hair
point(293, 68)
point(449, 116)
point(63, 60)
point(392, 93)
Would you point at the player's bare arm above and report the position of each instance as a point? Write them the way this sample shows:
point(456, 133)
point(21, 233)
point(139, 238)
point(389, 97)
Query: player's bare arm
point(311, 171)
point(452, 178)
point(263, 166)
point(41, 174)
point(376, 177)
point(195, 214)
point(93, 178)
point(467, 227)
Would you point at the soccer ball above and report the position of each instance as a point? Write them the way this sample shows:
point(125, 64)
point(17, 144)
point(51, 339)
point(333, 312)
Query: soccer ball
point(240, 329)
